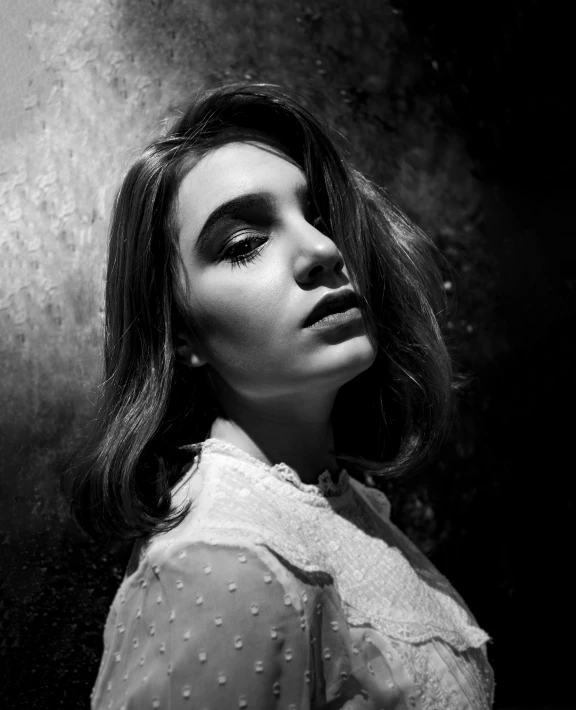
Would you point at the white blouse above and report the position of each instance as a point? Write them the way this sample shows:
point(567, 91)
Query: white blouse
point(273, 593)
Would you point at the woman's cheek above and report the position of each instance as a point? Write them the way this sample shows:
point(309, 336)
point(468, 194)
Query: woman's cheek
point(239, 317)
point(243, 346)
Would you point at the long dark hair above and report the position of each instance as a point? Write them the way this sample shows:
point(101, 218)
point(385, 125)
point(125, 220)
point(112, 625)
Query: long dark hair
point(386, 421)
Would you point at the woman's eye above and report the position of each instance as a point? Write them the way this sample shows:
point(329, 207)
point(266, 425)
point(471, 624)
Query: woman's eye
point(245, 249)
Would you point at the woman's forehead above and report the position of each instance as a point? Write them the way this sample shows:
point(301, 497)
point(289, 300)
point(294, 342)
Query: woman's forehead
point(231, 171)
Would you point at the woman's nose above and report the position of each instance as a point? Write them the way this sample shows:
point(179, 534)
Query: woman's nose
point(317, 255)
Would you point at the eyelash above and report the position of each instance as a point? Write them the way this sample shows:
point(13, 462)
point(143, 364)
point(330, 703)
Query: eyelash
point(250, 256)
point(317, 223)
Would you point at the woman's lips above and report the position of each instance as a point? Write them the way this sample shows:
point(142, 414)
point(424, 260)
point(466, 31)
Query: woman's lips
point(332, 303)
point(335, 320)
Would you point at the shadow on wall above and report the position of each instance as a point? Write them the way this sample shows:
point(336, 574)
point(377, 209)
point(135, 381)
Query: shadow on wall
point(99, 74)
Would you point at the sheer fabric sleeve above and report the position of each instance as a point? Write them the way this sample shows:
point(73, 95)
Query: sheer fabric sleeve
point(209, 627)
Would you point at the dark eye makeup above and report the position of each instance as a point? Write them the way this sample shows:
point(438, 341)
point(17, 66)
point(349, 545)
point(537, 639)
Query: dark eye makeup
point(248, 221)
point(245, 249)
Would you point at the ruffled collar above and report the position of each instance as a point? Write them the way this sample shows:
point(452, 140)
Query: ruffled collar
point(325, 488)
point(381, 578)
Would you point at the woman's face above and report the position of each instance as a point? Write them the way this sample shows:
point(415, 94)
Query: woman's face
point(256, 266)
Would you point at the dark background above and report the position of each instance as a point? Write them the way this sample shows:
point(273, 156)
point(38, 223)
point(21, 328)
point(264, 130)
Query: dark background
point(463, 110)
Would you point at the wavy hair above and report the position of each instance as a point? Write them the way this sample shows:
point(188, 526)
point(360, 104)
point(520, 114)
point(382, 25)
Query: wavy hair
point(387, 420)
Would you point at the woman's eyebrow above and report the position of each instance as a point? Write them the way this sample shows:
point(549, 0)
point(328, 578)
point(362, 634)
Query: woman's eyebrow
point(233, 208)
point(239, 206)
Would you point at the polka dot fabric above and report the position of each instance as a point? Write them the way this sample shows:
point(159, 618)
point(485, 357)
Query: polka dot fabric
point(224, 611)
point(209, 628)
point(212, 627)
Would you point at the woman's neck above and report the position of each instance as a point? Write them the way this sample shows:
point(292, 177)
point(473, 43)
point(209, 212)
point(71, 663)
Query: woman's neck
point(292, 433)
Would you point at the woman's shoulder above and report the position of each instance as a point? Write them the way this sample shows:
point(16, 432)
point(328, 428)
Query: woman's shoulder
point(230, 570)
point(215, 567)
point(225, 611)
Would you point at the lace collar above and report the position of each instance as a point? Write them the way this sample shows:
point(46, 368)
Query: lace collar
point(325, 488)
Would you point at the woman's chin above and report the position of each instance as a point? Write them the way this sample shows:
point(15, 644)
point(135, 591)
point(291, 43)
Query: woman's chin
point(342, 362)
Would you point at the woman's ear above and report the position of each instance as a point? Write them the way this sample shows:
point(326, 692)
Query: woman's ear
point(187, 350)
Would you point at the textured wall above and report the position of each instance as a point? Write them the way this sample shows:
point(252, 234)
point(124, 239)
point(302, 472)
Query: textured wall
point(84, 83)
point(87, 83)
point(92, 84)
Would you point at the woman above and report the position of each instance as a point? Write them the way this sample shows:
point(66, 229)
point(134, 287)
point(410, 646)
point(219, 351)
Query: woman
point(272, 340)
